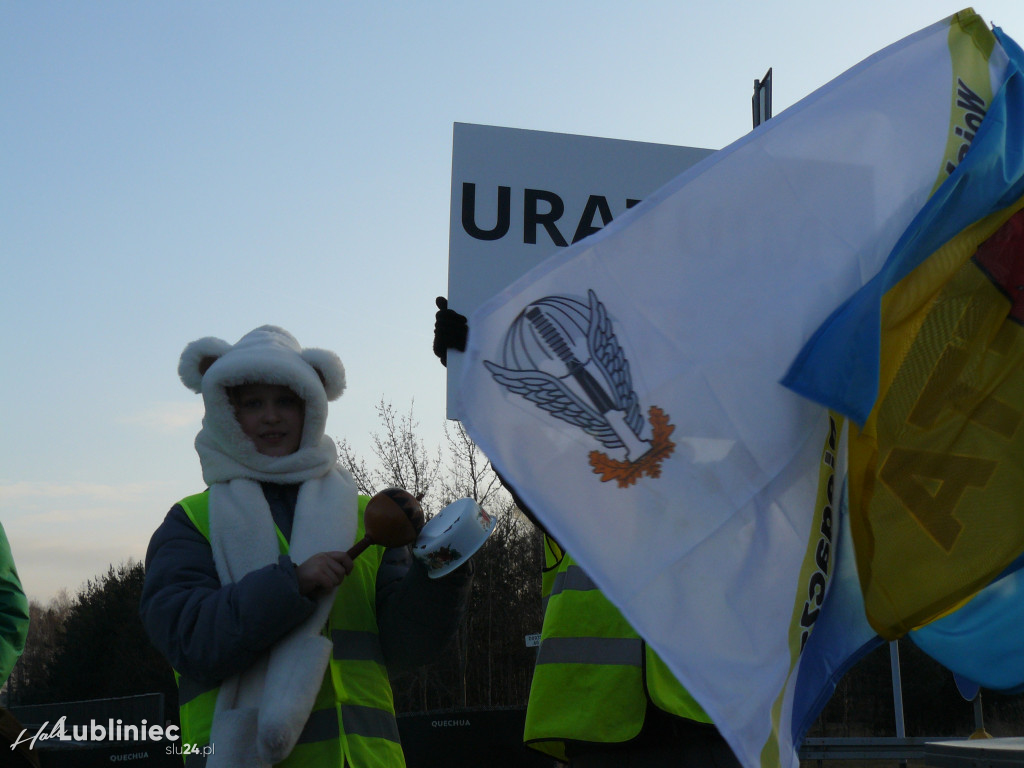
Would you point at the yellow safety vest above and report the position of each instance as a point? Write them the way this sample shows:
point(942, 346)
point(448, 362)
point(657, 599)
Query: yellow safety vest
point(594, 674)
point(353, 719)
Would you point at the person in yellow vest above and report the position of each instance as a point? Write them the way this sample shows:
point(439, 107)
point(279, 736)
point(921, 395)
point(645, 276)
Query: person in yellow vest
point(281, 642)
point(600, 697)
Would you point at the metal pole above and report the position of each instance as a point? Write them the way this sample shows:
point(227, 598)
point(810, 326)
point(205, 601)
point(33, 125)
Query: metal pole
point(761, 101)
point(897, 691)
point(979, 720)
point(897, 688)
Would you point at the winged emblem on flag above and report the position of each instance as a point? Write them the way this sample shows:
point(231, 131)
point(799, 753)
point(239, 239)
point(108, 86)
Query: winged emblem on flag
point(561, 354)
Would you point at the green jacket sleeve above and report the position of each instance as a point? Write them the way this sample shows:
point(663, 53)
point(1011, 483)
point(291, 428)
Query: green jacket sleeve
point(13, 611)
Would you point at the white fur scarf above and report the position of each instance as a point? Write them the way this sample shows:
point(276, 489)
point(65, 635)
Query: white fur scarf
point(261, 712)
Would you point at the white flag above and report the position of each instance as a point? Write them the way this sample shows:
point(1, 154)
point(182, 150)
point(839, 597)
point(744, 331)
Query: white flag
point(628, 387)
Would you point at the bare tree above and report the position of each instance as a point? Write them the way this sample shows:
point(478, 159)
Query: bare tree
point(490, 664)
point(468, 472)
point(496, 666)
point(403, 460)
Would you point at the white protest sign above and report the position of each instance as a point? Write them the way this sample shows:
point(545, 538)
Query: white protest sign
point(518, 196)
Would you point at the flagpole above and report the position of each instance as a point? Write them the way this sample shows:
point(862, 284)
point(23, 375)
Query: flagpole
point(897, 691)
point(761, 102)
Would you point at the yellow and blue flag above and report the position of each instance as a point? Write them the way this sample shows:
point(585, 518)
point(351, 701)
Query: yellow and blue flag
point(927, 357)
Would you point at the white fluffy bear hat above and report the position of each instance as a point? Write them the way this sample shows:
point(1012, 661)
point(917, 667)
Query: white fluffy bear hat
point(266, 355)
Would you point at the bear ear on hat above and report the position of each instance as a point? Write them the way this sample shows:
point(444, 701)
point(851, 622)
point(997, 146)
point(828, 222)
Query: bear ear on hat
point(329, 368)
point(197, 359)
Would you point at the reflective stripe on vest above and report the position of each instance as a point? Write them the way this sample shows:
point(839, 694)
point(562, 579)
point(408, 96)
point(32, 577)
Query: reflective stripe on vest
point(353, 716)
point(594, 673)
point(573, 577)
point(352, 644)
point(623, 651)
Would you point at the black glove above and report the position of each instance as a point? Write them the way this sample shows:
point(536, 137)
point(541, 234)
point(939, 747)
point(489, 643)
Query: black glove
point(450, 330)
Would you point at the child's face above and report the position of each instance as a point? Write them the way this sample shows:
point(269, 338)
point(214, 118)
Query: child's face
point(271, 416)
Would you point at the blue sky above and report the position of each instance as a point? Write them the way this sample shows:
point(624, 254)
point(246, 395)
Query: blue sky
point(177, 170)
